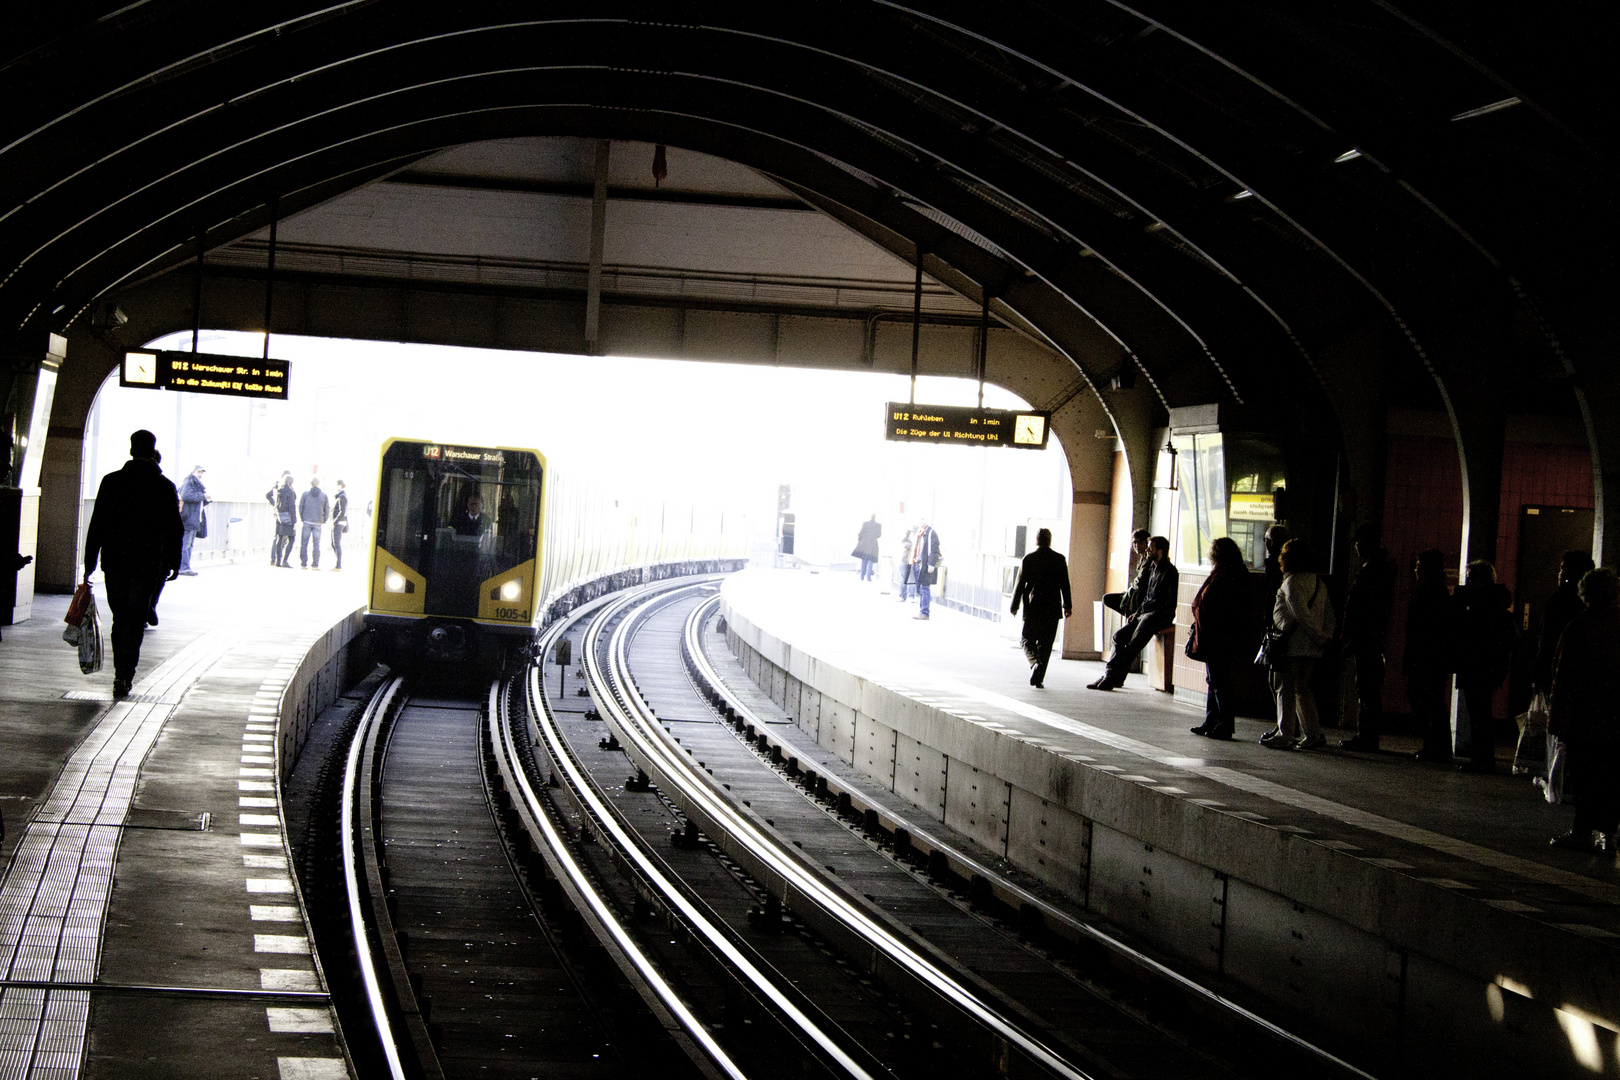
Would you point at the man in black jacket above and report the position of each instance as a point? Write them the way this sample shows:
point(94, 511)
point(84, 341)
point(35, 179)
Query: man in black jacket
point(1366, 628)
point(1154, 611)
point(135, 531)
point(1043, 590)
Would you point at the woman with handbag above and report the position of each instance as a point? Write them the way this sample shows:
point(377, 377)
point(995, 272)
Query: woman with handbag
point(1220, 634)
point(1301, 623)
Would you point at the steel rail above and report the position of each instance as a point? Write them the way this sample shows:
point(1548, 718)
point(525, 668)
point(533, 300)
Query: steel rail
point(670, 891)
point(376, 708)
point(576, 882)
point(622, 705)
point(713, 686)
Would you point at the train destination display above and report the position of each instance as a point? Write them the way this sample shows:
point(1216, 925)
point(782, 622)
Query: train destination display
point(205, 373)
point(964, 425)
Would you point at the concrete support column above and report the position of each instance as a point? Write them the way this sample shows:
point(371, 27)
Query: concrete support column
point(31, 369)
point(61, 482)
point(1136, 413)
point(1091, 465)
point(1480, 423)
point(1599, 396)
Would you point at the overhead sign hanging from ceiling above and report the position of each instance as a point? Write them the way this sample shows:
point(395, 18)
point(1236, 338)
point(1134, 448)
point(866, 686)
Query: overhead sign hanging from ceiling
point(964, 425)
point(205, 373)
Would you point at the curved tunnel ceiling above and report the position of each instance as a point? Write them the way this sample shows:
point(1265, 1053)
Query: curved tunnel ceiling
point(1231, 191)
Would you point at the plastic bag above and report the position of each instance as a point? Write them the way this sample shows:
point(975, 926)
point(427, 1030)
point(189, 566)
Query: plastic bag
point(1553, 785)
point(85, 635)
point(1531, 756)
point(90, 642)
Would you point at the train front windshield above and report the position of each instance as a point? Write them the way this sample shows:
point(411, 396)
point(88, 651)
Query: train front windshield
point(458, 516)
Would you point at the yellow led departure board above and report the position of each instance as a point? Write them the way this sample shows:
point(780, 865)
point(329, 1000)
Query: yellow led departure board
point(206, 373)
point(964, 425)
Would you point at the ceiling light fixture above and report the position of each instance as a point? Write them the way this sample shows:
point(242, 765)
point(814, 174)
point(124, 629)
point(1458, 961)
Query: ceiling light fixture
point(1348, 155)
point(1485, 110)
point(1244, 194)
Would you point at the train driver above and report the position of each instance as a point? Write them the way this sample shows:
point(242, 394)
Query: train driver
point(472, 521)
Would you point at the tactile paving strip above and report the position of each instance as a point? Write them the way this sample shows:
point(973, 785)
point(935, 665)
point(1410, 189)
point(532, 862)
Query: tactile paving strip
point(54, 896)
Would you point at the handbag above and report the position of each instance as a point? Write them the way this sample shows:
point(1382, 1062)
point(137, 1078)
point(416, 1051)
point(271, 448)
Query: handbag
point(284, 516)
point(202, 524)
point(1273, 647)
point(1557, 762)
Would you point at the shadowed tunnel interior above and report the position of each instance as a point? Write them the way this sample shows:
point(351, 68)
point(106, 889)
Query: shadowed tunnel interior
point(1306, 216)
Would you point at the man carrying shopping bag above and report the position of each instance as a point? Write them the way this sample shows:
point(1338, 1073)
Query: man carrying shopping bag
point(135, 532)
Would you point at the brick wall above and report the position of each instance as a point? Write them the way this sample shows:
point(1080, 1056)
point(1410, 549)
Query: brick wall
point(1423, 508)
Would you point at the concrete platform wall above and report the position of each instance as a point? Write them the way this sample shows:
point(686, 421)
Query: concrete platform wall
point(332, 664)
point(1358, 953)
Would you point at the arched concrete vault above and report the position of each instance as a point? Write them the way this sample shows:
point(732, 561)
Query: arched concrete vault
point(1298, 211)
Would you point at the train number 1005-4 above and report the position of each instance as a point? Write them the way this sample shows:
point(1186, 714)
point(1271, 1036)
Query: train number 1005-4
point(515, 614)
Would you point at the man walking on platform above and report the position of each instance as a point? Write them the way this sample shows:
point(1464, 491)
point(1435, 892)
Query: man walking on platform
point(1043, 590)
point(313, 510)
point(925, 565)
point(135, 532)
point(1155, 610)
point(340, 521)
point(193, 497)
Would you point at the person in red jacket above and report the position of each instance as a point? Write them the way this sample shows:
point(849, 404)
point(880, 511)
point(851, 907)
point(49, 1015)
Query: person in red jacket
point(135, 533)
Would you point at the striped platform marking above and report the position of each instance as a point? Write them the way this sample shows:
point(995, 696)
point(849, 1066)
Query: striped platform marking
point(302, 1068)
point(54, 897)
point(259, 742)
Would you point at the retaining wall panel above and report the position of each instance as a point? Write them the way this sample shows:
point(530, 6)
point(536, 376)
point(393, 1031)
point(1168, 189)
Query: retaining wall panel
point(1048, 841)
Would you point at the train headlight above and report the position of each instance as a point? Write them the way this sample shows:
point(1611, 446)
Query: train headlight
point(512, 589)
point(393, 581)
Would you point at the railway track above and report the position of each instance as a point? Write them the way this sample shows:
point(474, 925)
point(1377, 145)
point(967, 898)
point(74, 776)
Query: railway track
point(629, 866)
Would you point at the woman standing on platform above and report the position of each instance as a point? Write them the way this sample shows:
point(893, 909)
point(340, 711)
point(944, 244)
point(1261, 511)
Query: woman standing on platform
point(1586, 712)
point(1304, 615)
point(1220, 635)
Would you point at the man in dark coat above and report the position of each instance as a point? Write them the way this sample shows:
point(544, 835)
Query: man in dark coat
point(866, 546)
point(925, 562)
point(193, 497)
point(284, 507)
point(1428, 659)
point(1043, 590)
point(1366, 629)
point(1155, 611)
point(1562, 606)
point(1586, 712)
point(1486, 637)
point(313, 510)
point(340, 521)
point(135, 532)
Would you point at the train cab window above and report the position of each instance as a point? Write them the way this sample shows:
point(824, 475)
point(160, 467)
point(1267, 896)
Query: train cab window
point(459, 518)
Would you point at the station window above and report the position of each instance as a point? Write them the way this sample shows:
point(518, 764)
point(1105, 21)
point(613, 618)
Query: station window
point(1225, 485)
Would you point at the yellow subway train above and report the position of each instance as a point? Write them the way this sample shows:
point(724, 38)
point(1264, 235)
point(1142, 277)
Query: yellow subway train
point(477, 547)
